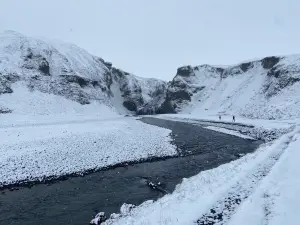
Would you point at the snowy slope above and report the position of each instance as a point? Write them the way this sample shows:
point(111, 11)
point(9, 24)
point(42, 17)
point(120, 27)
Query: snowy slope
point(62, 69)
point(259, 188)
point(266, 88)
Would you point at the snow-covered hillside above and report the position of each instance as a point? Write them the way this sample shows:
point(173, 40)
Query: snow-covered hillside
point(266, 88)
point(45, 77)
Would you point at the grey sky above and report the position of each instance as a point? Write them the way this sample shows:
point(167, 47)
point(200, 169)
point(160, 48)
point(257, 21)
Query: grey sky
point(153, 38)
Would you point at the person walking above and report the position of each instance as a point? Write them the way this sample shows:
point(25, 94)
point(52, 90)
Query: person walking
point(220, 117)
point(233, 118)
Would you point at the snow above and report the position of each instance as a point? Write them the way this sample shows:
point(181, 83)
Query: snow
point(35, 103)
point(272, 169)
point(66, 70)
point(227, 119)
point(67, 120)
point(14, 46)
point(276, 199)
point(33, 152)
point(98, 218)
point(248, 90)
point(227, 131)
point(117, 99)
point(259, 129)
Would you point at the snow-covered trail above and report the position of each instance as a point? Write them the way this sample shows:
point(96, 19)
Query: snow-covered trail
point(49, 150)
point(250, 190)
point(225, 207)
point(276, 200)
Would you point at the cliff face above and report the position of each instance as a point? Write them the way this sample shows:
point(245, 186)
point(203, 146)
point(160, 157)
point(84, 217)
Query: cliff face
point(68, 71)
point(266, 88)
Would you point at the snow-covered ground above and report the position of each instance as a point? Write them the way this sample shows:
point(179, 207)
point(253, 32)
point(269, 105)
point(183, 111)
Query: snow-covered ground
point(227, 119)
point(267, 88)
point(259, 188)
point(227, 131)
point(57, 147)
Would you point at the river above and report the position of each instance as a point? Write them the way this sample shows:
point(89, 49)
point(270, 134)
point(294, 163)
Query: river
point(76, 200)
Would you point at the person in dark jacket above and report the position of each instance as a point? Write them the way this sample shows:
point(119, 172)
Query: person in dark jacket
point(233, 118)
point(220, 117)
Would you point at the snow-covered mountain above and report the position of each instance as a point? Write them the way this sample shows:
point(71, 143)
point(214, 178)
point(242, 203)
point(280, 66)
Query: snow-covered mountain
point(49, 77)
point(268, 88)
point(44, 77)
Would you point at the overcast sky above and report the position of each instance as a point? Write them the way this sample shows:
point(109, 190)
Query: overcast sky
point(153, 38)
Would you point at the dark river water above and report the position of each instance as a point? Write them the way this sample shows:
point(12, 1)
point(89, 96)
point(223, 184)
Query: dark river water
point(76, 200)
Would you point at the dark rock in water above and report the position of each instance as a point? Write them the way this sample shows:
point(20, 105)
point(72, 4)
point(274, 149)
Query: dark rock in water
point(99, 218)
point(269, 62)
point(156, 186)
point(238, 155)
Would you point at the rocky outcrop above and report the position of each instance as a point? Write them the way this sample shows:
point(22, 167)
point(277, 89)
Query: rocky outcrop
point(140, 95)
point(5, 110)
point(185, 84)
point(69, 71)
point(269, 62)
point(250, 88)
point(185, 71)
point(6, 81)
point(34, 61)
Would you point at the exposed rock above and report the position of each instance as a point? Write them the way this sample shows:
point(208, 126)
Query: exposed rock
point(166, 107)
point(269, 62)
point(220, 70)
point(75, 74)
point(6, 81)
point(76, 79)
point(275, 72)
point(117, 72)
point(108, 64)
point(44, 66)
point(5, 110)
point(185, 71)
point(5, 89)
point(130, 105)
point(60, 70)
point(98, 219)
point(246, 66)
